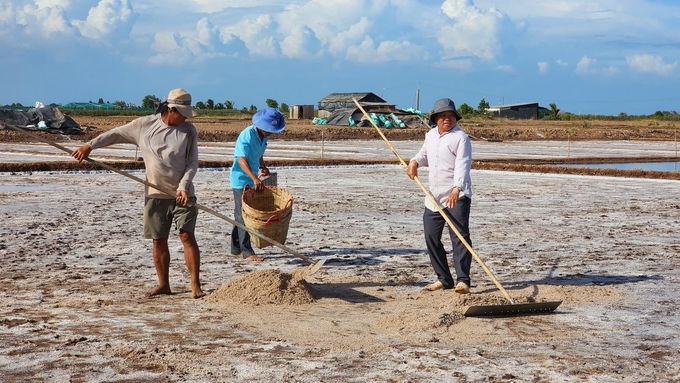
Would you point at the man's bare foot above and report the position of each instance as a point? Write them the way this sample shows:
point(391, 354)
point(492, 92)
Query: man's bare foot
point(255, 258)
point(160, 290)
point(196, 292)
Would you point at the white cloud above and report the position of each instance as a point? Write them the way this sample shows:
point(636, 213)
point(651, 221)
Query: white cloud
point(52, 20)
point(386, 51)
point(475, 32)
point(588, 66)
point(460, 34)
point(107, 18)
point(606, 28)
point(232, 45)
point(7, 15)
point(355, 33)
point(335, 24)
point(41, 20)
point(169, 51)
point(207, 33)
point(267, 47)
point(257, 34)
point(173, 48)
point(164, 42)
point(317, 27)
point(301, 43)
point(64, 4)
point(650, 63)
point(214, 6)
point(585, 65)
point(610, 71)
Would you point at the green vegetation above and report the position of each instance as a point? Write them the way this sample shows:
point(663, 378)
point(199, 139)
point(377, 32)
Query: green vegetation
point(272, 103)
point(207, 108)
point(483, 107)
point(148, 102)
point(467, 111)
point(229, 109)
point(553, 113)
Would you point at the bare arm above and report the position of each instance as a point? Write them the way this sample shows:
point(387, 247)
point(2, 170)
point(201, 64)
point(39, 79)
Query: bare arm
point(264, 170)
point(243, 163)
point(82, 152)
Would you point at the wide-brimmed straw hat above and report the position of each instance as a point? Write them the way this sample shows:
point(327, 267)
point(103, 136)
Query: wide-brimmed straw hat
point(181, 100)
point(270, 120)
point(444, 105)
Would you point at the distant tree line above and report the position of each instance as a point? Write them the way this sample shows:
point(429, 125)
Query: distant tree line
point(229, 108)
point(553, 113)
point(149, 103)
point(150, 100)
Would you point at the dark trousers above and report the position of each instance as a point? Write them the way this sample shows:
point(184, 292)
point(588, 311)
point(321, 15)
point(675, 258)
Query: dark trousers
point(434, 223)
point(240, 239)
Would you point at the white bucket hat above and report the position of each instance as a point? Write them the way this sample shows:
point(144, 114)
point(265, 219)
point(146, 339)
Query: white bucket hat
point(181, 100)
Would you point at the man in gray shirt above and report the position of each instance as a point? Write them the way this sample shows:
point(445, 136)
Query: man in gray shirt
point(169, 146)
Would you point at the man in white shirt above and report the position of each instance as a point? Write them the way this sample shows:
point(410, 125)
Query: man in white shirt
point(447, 152)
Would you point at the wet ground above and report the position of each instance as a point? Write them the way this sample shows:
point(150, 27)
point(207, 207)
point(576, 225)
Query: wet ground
point(526, 156)
point(74, 270)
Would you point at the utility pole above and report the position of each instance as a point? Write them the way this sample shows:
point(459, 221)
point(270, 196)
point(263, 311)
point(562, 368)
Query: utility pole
point(418, 97)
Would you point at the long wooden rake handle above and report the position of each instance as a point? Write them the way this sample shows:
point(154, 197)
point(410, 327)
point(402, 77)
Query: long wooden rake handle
point(439, 208)
point(168, 192)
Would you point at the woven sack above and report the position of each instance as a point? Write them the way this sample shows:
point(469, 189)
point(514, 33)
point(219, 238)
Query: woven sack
point(267, 212)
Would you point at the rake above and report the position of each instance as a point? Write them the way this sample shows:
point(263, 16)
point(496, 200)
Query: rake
point(313, 268)
point(511, 309)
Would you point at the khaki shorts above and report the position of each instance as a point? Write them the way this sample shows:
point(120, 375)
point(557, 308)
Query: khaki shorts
point(159, 214)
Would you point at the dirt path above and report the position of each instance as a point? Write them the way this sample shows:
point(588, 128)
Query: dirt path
point(73, 270)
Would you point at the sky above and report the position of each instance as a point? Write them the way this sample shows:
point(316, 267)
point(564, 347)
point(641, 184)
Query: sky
point(588, 57)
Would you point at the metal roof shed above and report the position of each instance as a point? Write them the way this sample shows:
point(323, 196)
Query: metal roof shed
point(339, 101)
point(519, 111)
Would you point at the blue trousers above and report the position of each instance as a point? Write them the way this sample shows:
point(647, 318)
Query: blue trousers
point(433, 224)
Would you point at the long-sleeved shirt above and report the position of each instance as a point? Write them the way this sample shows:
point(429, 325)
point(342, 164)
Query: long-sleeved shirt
point(449, 158)
point(170, 152)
